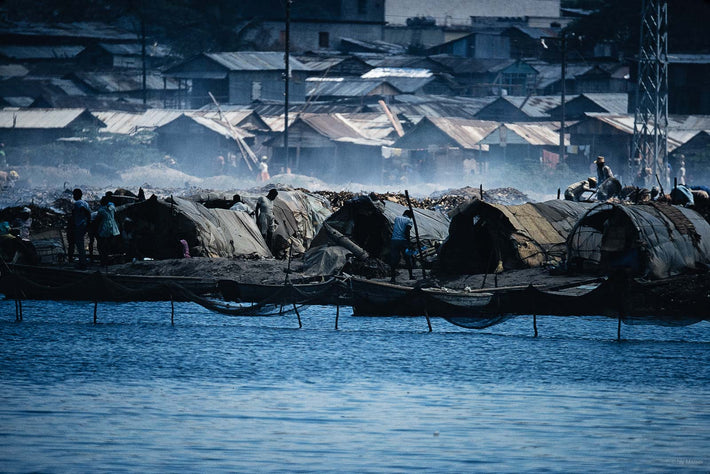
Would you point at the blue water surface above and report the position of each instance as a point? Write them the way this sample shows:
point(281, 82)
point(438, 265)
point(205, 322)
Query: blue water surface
point(213, 393)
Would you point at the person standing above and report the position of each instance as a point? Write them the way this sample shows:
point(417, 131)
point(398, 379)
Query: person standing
point(264, 214)
point(80, 217)
point(400, 242)
point(106, 229)
point(603, 171)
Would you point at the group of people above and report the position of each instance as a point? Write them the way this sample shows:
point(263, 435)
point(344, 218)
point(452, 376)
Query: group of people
point(603, 186)
point(100, 225)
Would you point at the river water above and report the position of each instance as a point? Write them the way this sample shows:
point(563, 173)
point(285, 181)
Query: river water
point(213, 393)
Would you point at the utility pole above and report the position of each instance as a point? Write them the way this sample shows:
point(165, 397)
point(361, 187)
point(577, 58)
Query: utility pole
point(650, 142)
point(563, 48)
point(287, 74)
point(562, 40)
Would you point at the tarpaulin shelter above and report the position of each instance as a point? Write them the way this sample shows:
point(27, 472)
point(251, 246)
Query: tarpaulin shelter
point(486, 237)
point(655, 240)
point(161, 224)
point(298, 214)
point(369, 225)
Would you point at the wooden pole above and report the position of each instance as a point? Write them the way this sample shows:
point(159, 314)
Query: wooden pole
point(337, 315)
point(618, 330)
point(416, 233)
point(96, 304)
point(558, 193)
point(298, 315)
point(428, 321)
point(172, 311)
point(535, 324)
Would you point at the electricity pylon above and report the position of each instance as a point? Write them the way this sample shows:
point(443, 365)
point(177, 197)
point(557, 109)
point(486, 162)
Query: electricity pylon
point(650, 142)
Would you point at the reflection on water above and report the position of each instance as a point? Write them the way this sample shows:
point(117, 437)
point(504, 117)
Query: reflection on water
point(214, 393)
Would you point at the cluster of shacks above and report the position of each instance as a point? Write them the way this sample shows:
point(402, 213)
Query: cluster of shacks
point(654, 240)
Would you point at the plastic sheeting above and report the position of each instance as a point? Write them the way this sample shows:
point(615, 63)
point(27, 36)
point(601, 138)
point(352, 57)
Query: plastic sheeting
point(161, 224)
point(369, 224)
point(485, 237)
point(653, 240)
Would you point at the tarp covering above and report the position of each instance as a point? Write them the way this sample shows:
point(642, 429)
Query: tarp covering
point(161, 224)
point(654, 240)
point(369, 224)
point(485, 237)
point(298, 214)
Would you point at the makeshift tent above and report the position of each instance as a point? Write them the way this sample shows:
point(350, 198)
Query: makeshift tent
point(485, 237)
point(161, 224)
point(369, 225)
point(299, 214)
point(654, 240)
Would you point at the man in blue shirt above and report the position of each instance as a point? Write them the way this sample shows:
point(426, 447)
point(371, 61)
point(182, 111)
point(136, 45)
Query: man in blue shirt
point(400, 241)
point(80, 217)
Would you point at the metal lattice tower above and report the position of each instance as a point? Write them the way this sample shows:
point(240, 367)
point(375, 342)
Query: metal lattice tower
point(650, 142)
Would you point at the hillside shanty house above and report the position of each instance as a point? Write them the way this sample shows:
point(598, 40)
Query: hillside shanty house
point(333, 148)
point(207, 146)
point(441, 149)
point(519, 108)
point(484, 43)
point(41, 126)
point(238, 78)
point(524, 143)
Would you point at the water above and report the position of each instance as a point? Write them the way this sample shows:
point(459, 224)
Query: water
point(221, 394)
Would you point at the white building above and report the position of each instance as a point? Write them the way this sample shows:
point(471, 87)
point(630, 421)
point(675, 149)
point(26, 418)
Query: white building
point(459, 12)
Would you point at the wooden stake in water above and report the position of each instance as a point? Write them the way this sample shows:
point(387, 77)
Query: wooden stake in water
point(172, 311)
point(535, 324)
point(337, 315)
point(96, 304)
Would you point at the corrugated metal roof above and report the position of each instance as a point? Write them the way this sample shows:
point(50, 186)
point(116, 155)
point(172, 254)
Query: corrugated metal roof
point(548, 74)
point(681, 128)
point(409, 85)
point(465, 132)
point(320, 64)
point(40, 52)
point(13, 70)
point(461, 66)
point(536, 106)
point(538, 134)
point(615, 103)
point(38, 118)
point(416, 107)
point(69, 30)
point(126, 123)
point(335, 127)
point(255, 61)
point(136, 49)
point(371, 125)
point(342, 88)
point(388, 72)
point(112, 82)
point(18, 101)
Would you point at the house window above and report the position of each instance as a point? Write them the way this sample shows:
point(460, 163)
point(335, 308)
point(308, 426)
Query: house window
point(323, 39)
point(361, 7)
